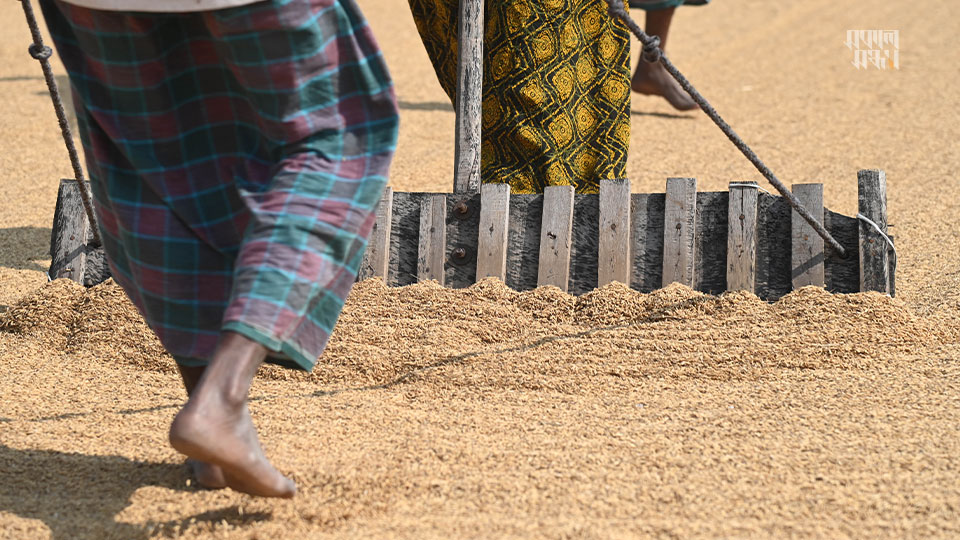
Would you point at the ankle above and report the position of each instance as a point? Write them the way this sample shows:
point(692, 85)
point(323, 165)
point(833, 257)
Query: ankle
point(232, 368)
point(232, 392)
point(646, 70)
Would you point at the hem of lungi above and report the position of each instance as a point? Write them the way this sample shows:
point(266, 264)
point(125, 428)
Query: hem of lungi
point(190, 362)
point(665, 4)
point(275, 360)
point(292, 357)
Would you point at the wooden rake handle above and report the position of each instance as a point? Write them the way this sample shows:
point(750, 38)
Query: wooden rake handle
point(469, 96)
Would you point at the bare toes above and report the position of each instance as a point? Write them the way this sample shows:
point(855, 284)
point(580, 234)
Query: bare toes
point(279, 485)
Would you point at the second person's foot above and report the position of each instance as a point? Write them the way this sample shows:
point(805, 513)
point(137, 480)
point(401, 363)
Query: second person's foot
point(653, 79)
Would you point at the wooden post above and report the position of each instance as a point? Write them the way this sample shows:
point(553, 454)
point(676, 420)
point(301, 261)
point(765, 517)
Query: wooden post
point(432, 246)
point(556, 237)
point(613, 262)
point(742, 237)
point(874, 250)
point(680, 219)
point(376, 260)
point(71, 230)
point(469, 97)
point(806, 245)
point(494, 225)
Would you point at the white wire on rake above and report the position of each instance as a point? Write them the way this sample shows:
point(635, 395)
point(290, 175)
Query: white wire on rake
point(876, 227)
point(739, 184)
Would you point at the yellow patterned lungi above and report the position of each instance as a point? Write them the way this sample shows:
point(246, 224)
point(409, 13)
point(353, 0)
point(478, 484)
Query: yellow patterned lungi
point(556, 89)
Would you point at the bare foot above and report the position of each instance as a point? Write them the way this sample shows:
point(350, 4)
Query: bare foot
point(224, 436)
point(653, 79)
point(215, 427)
point(207, 476)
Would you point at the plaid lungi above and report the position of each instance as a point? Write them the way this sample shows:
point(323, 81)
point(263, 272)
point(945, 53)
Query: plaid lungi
point(236, 157)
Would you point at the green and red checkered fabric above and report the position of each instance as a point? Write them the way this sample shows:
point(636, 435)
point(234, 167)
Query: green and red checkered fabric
point(236, 157)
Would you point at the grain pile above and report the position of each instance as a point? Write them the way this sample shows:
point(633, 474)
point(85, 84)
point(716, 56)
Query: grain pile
point(435, 412)
point(88, 323)
point(495, 414)
point(675, 331)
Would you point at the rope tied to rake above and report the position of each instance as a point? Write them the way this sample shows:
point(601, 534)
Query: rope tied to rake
point(652, 53)
point(42, 53)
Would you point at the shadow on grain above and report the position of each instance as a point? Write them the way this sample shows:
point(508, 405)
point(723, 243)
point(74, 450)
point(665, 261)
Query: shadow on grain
point(668, 116)
point(22, 246)
point(425, 105)
point(80, 496)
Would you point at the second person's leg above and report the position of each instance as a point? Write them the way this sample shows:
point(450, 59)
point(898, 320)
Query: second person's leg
point(652, 78)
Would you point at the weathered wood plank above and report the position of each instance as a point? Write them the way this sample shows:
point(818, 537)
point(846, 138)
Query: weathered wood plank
point(71, 232)
point(431, 251)
point(584, 247)
point(523, 241)
point(842, 275)
point(468, 97)
point(494, 225)
point(461, 234)
point(613, 261)
point(556, 237)
point(874, 250)
point(679, 231)
point(710, 248)
point(463, 223)
point(774, 261)
point(807, 254)
point(646, 237)
point(376, 260)
point(773, 247)
point(404, 238)
point(742, 237)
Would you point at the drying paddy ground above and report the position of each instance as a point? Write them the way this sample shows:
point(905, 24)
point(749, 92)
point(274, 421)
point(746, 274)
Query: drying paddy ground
point(489, 413)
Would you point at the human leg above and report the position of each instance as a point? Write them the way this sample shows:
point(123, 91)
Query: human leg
point(310, 218)
point(329, 119)
point(215, 426)
point(171, 163)
point(652, 78)
point(208, 476)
